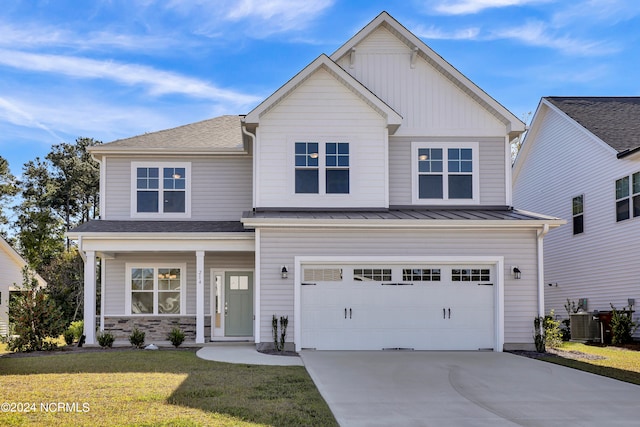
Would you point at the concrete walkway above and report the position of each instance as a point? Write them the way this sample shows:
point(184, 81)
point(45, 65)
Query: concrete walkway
point(244, 353)
point(452, 389)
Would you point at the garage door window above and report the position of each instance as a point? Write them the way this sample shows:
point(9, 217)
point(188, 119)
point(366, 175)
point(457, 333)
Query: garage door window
point(470, 275)
point(421, 274)
point(322, 274)
point(371, 274)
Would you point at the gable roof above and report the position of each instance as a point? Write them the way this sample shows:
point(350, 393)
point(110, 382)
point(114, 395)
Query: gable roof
point(18, 260)
point(615, 120)
point(514, 125)
point(324, 62)
point(218, 135)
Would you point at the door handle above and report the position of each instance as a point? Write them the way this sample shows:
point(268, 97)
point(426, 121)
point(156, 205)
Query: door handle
point(349, 313)
point(449, 313)
point(226, 309)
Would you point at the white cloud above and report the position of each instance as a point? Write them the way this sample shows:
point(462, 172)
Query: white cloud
point(157, 82)
point(12, 112)
point(433, 33)
point(463, 7)
point(536, 33)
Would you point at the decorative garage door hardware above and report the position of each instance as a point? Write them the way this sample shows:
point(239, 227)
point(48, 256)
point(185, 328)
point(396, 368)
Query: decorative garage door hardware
point(444, 313)
point(350, 313)
point(397, 284)
point(485, 284)
point(308, 284)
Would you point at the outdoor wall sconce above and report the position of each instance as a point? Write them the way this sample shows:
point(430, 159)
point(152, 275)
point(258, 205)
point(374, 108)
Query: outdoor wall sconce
point(284, 272)
point(516, 272)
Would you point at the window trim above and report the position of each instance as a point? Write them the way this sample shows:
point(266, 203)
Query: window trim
point(322, 165)
point(161, 166)
point(155, 266)
point(629, 197)
point(475, 174)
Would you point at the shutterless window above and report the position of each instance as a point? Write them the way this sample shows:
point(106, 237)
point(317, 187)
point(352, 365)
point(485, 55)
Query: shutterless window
point(445, 173)
point(578, 214)
point(155, 290)
point(628, 197)
point(337, 167)
point(306, 154)
point(160, 195)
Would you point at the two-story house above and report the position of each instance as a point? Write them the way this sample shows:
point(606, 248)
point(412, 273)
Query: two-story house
point(581, 161)
point(368, 199)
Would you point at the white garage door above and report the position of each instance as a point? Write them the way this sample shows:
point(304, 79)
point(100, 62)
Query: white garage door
point(421, 307)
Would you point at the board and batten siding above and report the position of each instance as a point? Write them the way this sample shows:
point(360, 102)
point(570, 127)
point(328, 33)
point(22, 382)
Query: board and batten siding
point(321, 109)
point(600, 264)
point(428, 101)
point(280, 246)
point(221, 186)
point(115, 285)
point(491, 162)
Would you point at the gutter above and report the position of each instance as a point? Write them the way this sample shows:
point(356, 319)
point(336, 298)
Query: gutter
point(540, 234)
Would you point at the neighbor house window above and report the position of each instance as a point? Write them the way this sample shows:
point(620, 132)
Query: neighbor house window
point(445, 173)
point(156, 290)
point(578, 214)
point(160, 189)
point(628, 197)
point(322, 168)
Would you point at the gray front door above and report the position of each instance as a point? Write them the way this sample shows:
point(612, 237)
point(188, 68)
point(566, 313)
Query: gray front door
point(238, 304)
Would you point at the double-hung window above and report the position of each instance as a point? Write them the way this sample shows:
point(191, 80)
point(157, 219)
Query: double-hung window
point(445, 173)
point(628, 197)
point(578, 214)
point(322, 168)
point(155, 289)
point(160, 189)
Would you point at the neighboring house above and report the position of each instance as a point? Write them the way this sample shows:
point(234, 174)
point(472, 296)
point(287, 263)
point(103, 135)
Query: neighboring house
point(11, 279)
point(376, 191)
point(581, 160)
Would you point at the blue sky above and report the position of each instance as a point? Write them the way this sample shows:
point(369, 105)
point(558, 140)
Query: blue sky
point(110, 69)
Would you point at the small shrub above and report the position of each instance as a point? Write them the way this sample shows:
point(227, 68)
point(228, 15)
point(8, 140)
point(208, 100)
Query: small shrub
point(176, 336)
point(105, 339)
point(77, 328)
point(68, 336)
point(279, 339)
point(565, 329)
point(622, 326)
point(546, 332)
point(137, 338)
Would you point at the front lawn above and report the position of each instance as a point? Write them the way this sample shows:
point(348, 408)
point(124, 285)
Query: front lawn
point(613, 362)
point(166, 387)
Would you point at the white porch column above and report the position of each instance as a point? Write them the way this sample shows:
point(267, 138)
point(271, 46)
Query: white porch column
point(199, 297)
point(90, 297)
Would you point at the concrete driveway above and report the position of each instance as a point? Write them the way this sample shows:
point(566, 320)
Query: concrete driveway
point(419, 388)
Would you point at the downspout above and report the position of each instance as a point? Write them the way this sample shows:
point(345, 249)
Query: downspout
point(253, 175)
point(540, 234)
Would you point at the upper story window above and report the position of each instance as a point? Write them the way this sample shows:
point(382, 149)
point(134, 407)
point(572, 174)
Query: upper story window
point(314, 160)
point(445, 173)
point(156, 289)
point(628, 197)
point(160, 189)
point(578, 214)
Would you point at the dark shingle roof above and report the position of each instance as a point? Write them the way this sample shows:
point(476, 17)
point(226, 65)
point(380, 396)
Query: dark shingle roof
point(615, 120)
point(105, 226)
point(222, 133)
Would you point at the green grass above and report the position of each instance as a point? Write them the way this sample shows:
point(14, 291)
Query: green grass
point(166, 388)
point(617, 363)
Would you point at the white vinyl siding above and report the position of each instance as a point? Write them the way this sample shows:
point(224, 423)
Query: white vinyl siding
point(491, 165)
point(600, 264)
point(220, 187)
point(11, 277)
point(429, 103)
point(279, 247)
point(322, 110)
